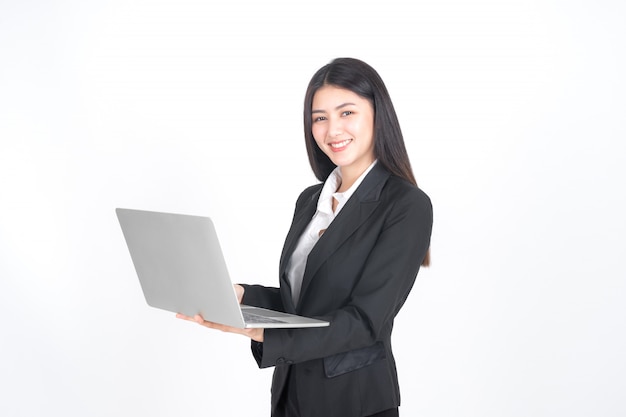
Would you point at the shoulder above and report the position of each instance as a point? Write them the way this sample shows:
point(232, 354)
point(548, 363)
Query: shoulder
point(400, 189)
point(403, 201)
point(309, 192)
point(308, 195)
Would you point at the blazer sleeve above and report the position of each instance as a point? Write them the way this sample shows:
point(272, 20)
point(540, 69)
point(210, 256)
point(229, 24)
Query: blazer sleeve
point(387, 276)
point(264, 297)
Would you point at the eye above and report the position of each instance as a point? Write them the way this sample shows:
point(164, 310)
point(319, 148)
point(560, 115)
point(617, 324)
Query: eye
point(347, 113)
point(318, 119)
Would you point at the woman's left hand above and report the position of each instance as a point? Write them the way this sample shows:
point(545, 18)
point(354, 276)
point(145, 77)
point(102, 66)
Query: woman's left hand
point(254, 334)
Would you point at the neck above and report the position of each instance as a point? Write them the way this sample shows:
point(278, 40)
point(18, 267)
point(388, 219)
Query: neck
point(346, 182)
point(349, 175)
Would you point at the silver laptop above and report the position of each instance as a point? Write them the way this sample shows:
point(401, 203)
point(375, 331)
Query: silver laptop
point(181, 269)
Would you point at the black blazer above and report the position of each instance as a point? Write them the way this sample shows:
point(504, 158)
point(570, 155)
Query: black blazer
point(357, 276)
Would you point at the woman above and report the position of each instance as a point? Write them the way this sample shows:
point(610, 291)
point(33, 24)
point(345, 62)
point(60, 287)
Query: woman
point(351, 256)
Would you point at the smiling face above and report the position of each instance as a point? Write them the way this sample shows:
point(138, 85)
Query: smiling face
point(343, 128)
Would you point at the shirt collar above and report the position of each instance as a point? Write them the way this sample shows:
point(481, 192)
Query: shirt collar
point(325, 201)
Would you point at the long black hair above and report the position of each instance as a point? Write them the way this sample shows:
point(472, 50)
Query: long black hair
point(360, 78)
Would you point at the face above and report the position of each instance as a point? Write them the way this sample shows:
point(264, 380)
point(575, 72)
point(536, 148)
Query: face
point(343, 128)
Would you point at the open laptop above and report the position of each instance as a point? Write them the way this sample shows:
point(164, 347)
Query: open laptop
point(181, 269)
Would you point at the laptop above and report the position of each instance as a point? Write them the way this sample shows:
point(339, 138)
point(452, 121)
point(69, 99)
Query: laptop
point(181, 269)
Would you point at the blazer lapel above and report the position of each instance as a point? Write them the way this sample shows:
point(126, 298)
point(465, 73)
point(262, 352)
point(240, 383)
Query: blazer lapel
point(358, 208)
point(300, 222)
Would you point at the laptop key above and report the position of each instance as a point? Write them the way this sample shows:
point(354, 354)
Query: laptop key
point(255, 318)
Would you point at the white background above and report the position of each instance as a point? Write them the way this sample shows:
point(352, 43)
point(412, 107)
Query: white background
point(514, 117)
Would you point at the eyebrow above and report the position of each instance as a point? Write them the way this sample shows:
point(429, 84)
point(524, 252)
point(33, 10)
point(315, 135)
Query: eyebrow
point(336, 108)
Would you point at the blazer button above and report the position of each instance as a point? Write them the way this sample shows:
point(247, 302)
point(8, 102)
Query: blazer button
point(280, 361)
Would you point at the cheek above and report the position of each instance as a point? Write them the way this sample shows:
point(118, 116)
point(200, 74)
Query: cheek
point(365, 130)
point(365, 125)
point(319, 133)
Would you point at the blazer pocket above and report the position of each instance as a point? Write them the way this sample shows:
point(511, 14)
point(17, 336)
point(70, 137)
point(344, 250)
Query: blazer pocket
point(352, 360)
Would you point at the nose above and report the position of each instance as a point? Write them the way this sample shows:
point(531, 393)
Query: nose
point(335, 128)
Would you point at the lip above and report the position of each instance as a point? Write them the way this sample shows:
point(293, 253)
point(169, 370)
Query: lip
point(339, 146)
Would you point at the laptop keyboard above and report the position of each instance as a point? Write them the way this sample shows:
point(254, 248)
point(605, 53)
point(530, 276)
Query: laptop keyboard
point(255, 318)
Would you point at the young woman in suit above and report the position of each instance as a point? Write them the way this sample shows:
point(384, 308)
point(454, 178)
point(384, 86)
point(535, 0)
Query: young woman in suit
point(351, 256)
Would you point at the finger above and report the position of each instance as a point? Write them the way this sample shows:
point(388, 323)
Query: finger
point(222, 327)
point(183, 317)
point(199, 319)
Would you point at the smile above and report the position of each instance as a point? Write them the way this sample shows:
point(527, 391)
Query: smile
point(340, 145)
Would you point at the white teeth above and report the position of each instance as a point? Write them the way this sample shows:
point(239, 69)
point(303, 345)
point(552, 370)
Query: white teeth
point(340, 144)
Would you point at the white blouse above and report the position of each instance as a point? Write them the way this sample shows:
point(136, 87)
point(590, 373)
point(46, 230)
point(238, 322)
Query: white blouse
point(318, 224)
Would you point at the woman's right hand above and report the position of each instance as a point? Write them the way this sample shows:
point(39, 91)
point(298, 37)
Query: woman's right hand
point(239, 290)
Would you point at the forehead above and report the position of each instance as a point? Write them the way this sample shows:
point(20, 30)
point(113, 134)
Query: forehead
point(330, 96)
